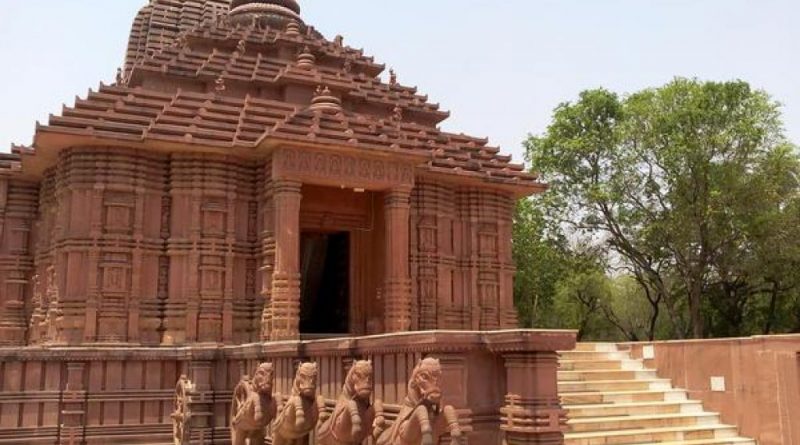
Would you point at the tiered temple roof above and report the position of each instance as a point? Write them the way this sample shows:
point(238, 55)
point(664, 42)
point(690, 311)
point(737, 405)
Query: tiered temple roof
point(197, 74)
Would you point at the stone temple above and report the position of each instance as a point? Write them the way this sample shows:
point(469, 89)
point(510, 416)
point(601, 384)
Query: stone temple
point(250, 190)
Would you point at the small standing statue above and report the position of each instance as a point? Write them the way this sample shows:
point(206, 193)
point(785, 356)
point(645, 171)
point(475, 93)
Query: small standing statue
point(299, 416)
point(253, 407)
point(182, 416)
point(351, 422)
point(422, 419)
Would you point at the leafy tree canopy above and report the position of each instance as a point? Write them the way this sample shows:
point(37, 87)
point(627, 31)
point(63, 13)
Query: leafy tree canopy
point(688, 191)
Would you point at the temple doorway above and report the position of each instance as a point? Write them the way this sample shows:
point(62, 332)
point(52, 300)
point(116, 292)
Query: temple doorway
point(325, 286)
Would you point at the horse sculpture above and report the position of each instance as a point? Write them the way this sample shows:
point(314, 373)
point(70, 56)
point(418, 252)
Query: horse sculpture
point(422, 419)
point(351, 422)
point(298, 417)
point(253, 407)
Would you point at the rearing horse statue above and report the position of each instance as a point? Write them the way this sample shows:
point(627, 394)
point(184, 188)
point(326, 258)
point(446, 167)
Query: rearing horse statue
point(351, 422)
point(298, 417)
point(422, 419)
point(253, 407)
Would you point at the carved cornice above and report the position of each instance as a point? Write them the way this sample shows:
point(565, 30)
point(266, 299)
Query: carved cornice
point(345, 170)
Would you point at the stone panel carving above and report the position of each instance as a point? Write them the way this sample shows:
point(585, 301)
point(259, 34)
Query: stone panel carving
point(342, 169)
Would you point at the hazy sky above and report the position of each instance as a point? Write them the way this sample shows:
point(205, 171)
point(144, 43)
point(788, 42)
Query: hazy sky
point(500, 66)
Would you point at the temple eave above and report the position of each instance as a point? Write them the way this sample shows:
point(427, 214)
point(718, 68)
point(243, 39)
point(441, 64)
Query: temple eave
point(49, 142)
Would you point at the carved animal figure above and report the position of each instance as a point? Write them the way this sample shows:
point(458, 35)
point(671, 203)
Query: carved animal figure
point(299, 416)
point(351, 422)
point(253, 407)
point(423, 420)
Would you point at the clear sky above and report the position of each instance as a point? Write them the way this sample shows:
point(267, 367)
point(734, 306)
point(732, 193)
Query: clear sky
point(500, 66)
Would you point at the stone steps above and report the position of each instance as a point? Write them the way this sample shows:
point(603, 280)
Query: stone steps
point(612, 399)
point(606, 374)
point(653, 421)
point(636, 436)
point(584, 364)
point(728, 441)
point(593, 355)
point(634, 408)
point(600, 397)
point(614, 385)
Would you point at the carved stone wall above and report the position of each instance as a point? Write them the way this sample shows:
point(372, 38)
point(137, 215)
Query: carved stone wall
point(146, 248)
point(97, 260)
point(18, 204)
point(461, 258)
point(213, 250)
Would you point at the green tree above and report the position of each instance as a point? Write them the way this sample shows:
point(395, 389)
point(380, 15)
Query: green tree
point(691, 188)
point(540, 259)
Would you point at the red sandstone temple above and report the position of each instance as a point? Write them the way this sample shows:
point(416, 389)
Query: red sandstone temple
point(247, 180)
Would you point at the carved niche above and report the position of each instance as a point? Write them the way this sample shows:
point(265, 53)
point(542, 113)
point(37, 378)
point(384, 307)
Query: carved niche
point(214, 218)
point(487, 239)
point(428, 239)
point(18, 243)
point(489, 288)
point(115, 274)
point(118, 209)
point(212, 275)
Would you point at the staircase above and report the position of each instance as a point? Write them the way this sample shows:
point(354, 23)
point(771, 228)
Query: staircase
point(613, 399)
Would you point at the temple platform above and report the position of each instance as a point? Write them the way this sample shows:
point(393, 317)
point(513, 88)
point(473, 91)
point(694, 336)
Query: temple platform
point(503, 384)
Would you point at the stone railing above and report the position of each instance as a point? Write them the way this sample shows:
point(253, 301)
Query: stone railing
point(754, 383)
point(503, 385)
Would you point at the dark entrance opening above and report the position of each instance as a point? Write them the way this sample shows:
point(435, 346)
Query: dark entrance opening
point(325, 288)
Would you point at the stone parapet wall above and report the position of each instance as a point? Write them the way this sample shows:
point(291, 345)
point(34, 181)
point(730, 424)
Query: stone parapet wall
point(752, 382)
point(97, 395)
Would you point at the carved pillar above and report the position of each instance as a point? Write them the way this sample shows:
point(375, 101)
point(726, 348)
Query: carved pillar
point(397, 285)
point(285, 304)
point(73, 405)
point(533, 412)
point(201, 374)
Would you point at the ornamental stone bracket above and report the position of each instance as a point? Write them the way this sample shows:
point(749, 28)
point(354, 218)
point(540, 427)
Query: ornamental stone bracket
point(346, 170)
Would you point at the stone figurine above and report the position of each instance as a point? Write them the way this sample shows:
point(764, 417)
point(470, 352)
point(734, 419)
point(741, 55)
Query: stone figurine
point(423, 420)
point(352, 419)
point(304, 408)
point(182, 414)
point(253, 407)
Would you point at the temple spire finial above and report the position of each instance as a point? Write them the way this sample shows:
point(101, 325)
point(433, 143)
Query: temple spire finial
point(324, 99)
point(278, 10)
